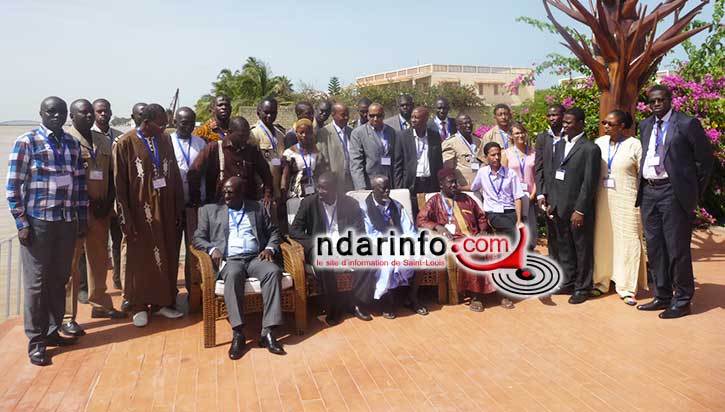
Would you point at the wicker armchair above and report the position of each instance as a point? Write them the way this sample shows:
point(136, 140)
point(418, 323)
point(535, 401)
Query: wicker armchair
point(213, 307)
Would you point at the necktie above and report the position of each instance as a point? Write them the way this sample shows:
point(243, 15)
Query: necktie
point(660, 148)
point(444, 130)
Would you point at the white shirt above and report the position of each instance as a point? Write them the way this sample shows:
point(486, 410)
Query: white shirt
point(569, 144)
point(191, 148)
point(241, 238)
point(555, 139)
point(404, 124)
point(421, 150)
point(649, 172)
point(331, 214)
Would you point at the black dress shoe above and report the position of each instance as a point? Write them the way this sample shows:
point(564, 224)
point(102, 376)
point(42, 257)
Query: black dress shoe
point(72, 328)
point(655, 304)
point(40, 358)
point(578, 298)
point(83, 297)
point(125, 305)
point(57, 340)
point(103, 313)
point(236, 350)
point(674, 312)
point(268, 341)
point(360, 314)
point(332, 320)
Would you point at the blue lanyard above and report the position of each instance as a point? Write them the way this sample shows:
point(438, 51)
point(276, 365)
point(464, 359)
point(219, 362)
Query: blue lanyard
point(236, 223)
point(660, 133)
point(449, 210)
point(154, 153)
point(387, 213)
point(58, 157)
point(187, 155)
point(272, 139)
point(505, 139)
point(419, 149)
point(308, 168)
point(522, 161)
point(610, 156)
point(500, 186)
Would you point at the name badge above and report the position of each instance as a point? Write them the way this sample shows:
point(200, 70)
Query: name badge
point(96, 175)
point(475, 165)
point(276, 161)
point(451, 228)
point(309, 189)
point(62, 180)
point(498, 208)
point(385, 161)
point(608, 182)
point(560, 174)
point(159, 182)
point(653, 161)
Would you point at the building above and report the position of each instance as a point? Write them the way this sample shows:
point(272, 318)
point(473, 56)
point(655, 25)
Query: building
point(583, 79)
point(488, 81)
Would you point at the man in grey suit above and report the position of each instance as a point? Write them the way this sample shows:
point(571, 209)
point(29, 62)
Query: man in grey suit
point(401, 122)
point(332, 145)
point(242, 242)
point(372, 148)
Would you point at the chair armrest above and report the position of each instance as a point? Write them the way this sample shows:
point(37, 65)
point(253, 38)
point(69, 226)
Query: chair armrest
point(208, 274)
point(293, 257)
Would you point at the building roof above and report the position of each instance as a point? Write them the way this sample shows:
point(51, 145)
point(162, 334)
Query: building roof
point(427, 69)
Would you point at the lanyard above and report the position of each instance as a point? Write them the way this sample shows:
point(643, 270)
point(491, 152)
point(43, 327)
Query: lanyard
point(59, 157)
point(505, 138)
point(387, 213)
point(154, 153)
point(236, 223)
point(500, 185)
point(449, 210)
point(660, 133)
point(522, 161)
point(308, 166)
point(610, 156)
point(272, 139)
point(418, 147)
point(468, 145)
point(329, 222)
point(187, 154)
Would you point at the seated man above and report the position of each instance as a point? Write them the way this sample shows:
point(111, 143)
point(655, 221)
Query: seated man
point(242, 242)
point(328, 212)
point(383, 214)
point(453, 214)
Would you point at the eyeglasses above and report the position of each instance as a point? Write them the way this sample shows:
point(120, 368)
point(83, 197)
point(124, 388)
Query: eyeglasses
point(610, 124)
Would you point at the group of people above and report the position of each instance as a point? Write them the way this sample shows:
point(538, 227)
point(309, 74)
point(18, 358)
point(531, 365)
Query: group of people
point(223, 186)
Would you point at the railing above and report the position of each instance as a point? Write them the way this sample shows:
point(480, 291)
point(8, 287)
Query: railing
point(10, 278)
point(441, 68)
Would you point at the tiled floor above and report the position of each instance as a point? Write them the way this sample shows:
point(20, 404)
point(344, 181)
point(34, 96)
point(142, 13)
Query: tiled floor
point(602, 355)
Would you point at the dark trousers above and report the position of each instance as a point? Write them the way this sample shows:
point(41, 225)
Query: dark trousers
point(552, 243)
point(503, 223)
point(235, 272)
point(83, 272)
point(422, 185)
point(668, 231)
point(46, 270)
point(576, 251)
point(116, 237)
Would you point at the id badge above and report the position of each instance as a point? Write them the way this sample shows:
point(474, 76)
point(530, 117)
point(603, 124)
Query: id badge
point(608, 182)
point(63, 180)
point(96, 175)
point(385, 160)
point(276, 161)
point(159, 182)
point(309, 189)
point(451, 228)
point(475, 165)
point(653, 161)
point(560, 174)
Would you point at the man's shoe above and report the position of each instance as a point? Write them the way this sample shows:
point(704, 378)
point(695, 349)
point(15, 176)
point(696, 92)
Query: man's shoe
point(141, 319)
point(578, 298)
point(169, 313)
point(655, 304)
point(268, 341)
point(72, 328)
point(83, 297)
point(236, 350)
point(360, 314)
point(389, 315)
point(125, 306)
point(40, 358)
point(102, 313)
point(332, 320)
point(674, 312)
point(57, 340)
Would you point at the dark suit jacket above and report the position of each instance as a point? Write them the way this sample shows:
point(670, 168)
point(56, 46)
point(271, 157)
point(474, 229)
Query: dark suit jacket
point(541, 148)
point(406, 159)
point(309, 220)
point(213, 228)
point(688, 157)
point(450, 124)
point(578, 190)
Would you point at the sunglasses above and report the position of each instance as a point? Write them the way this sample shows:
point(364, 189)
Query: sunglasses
point(376, 115)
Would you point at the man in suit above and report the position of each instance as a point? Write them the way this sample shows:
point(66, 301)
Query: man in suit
point(372, 147)
point(331, 212)
point(418, 158)
point(570, 197)
point(242, 242)
point(676, 164)
point(444, 125)
point(401, 122)
point(362, 110)
point(554, 116)
point(332, 145)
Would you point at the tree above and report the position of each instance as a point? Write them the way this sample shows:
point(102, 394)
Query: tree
point(333, 88)
point(624, 52)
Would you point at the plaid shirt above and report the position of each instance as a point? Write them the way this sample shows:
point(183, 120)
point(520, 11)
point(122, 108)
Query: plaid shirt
point(34, 167)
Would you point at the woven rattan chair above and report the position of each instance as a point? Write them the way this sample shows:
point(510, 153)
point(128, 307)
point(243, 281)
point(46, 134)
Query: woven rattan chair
point(212, 292)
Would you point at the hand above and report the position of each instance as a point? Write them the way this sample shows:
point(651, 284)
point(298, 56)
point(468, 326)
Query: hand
point(267, 200)
point(444, 232)
point(549, 212)
point(266, 255)
point(25, 236)
point(541, 203)
point(519, 224)
point(577, 220)
point(216, 258)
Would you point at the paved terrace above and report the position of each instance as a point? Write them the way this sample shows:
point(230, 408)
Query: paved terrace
point(599, 356)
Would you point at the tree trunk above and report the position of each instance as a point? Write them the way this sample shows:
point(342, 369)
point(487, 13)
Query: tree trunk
point(627, 102)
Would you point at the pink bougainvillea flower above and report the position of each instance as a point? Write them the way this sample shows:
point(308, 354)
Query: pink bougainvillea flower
point(482, 130)
point(568, 102)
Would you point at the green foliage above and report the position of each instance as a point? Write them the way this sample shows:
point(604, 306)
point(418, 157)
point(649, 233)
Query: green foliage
point(333, 88)
point(461, 98)
point(709, 57)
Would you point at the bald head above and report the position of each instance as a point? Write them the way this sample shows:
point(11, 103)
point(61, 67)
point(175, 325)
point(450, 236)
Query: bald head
point(185, 120)
point(442, 108)
point(381, 188)
point(82, 116)
point(53, 113)
point(136, 113)
point(232, 191)
point(327, 187)
point(239, 131)
point(340, 115)
point(419, 120)
point(464, 124)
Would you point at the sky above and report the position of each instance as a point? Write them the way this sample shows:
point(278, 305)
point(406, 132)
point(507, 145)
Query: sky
point(131, 50)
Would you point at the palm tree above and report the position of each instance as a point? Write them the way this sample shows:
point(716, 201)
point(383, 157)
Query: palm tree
point(283, 87)
point(257, 80)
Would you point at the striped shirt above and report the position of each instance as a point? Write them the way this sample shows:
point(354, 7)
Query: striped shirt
point(38, 172)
